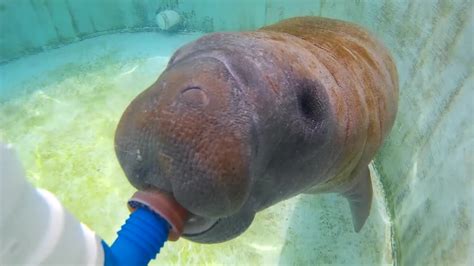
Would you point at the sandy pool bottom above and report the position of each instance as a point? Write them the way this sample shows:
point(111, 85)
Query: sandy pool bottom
point(60, 109)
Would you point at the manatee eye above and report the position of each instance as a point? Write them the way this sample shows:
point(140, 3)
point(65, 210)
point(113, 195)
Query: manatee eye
point(310, 106)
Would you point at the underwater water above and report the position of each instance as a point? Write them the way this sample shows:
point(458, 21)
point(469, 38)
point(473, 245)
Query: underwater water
point(62, 123)
point(68, 69)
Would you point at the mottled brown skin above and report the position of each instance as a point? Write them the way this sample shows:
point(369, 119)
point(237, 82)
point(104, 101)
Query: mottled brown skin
point(240, 121)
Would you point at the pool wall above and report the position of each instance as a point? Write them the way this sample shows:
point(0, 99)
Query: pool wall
point(426, 165)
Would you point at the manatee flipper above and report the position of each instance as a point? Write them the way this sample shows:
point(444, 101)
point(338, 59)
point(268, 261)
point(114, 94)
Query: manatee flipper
point(360, 197)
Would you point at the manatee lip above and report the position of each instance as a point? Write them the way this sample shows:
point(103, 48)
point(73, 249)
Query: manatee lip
point(191, 228)
point(195, 224)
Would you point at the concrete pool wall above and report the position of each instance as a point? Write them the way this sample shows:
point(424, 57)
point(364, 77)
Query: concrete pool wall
point(427, 164)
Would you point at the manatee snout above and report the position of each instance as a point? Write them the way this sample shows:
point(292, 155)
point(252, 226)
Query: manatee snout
point(186, 136)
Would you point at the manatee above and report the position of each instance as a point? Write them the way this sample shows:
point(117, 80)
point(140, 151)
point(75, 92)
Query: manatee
point(238, 122)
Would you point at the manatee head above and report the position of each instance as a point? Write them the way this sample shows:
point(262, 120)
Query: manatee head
point(227, 129)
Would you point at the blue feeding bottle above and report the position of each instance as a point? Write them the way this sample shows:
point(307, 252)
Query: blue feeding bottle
point(154, 219)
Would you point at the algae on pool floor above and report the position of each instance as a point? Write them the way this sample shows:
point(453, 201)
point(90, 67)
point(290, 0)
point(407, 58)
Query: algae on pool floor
point(62, 120)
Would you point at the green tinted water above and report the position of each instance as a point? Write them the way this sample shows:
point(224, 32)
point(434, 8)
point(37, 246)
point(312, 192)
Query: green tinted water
point(63, 126)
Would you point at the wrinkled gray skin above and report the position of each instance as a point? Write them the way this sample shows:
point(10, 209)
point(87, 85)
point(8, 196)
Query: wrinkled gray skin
point(240, 121)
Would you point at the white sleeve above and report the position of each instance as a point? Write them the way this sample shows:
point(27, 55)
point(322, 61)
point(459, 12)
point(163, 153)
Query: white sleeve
point(35, 229)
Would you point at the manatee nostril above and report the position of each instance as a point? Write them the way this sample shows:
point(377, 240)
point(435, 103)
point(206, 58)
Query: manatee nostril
point(194, 96)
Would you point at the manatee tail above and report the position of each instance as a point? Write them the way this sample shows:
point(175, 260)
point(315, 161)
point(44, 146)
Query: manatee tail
point(360, 198)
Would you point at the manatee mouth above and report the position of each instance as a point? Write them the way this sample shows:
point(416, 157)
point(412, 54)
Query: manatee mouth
point(181, 221)
point(188, 225)
point(198, 225)
point(221, 229)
